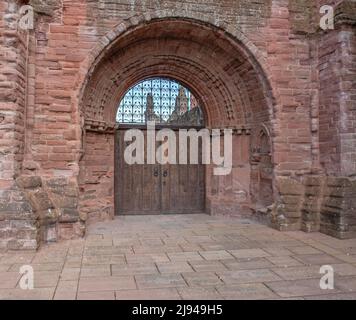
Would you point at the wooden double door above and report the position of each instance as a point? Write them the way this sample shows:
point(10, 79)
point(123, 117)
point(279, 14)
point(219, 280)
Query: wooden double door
point(157, 189)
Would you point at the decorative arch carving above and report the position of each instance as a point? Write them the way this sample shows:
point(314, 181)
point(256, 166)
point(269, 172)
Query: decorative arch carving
point(246, 55)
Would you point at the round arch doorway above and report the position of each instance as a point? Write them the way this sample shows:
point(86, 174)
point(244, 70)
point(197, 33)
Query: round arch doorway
point(234, 92)
point(156, 109)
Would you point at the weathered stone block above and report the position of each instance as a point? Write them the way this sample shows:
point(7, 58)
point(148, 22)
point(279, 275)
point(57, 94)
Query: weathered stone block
point(46, 7)
point(67, 231)
point(40, 201)
point(16, 208)
point(291, 187)
point(29, 182)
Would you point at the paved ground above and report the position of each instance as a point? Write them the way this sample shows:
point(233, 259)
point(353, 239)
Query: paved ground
point(184, 257)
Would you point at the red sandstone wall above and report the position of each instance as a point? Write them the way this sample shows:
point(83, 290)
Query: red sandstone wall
point(62, 48)
point(70, 34)
point(336, 59)
point(231, 195)
point(67, 34)
point(12, 95)
point(337, 102)
point(348, 101)
point(18, 223)
point(97, 177)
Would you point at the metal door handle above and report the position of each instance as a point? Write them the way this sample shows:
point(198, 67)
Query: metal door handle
point(156, 174)
point(165, 174)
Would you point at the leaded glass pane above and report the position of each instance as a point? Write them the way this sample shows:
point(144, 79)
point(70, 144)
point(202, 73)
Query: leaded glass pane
point(161, 100)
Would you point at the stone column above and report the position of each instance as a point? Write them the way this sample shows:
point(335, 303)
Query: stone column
point(18, 222)
point(330, 195)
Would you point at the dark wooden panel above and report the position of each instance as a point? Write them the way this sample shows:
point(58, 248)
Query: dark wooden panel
point(155, 189)
point(138, 187)
point(183, 187)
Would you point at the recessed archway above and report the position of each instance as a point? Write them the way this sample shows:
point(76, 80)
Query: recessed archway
point(230, 83)
point(150, 178)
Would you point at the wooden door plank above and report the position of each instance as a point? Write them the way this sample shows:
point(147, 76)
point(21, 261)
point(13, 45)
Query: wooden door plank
point(140, 192)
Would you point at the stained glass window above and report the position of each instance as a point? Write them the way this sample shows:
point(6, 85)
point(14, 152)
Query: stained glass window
point(161, 100)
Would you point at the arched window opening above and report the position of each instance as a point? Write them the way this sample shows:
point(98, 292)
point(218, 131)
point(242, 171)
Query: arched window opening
point(160, 100)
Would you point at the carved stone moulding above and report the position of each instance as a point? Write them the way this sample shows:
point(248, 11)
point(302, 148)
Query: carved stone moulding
point(99, 126)
point(237, 130)
point(345, 12)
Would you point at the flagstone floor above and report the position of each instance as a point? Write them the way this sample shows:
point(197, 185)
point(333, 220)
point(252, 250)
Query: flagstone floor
point(183, 257)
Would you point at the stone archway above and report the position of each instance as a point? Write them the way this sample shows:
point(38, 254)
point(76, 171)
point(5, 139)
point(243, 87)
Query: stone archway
point(218, 69)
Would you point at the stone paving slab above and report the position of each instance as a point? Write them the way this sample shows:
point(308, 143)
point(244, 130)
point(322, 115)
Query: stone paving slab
point(248, 276)
point(39, 267)
point(18, 294)
point(5, 267)
point(202, 279)
point(70, 274)
point(160, 281)
point(339, 296)
point(103, 259)
point(208, 266)
point(190, 247)
point(46, 279)
point(149, 294)
point(134, 269)
point(278, 252)
point(346, 284)
point(156, 249)
point(249, 253)
point(20, 258)
point(317, 259)
point(346, 258)
point(9, 280)
point(345, 269)
point(198, 293)
point(284, 261)
point(106, 284)
point(105, 295)
point(216, 255)
point(66, 290)
point(299, 288)
point(305, 250)
point(298, 273)
point(174, 267)
point(185, 256)
point(96, 271)
point(246, 264)
point(252, 291)
point(147, 258)
point(189, 257)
